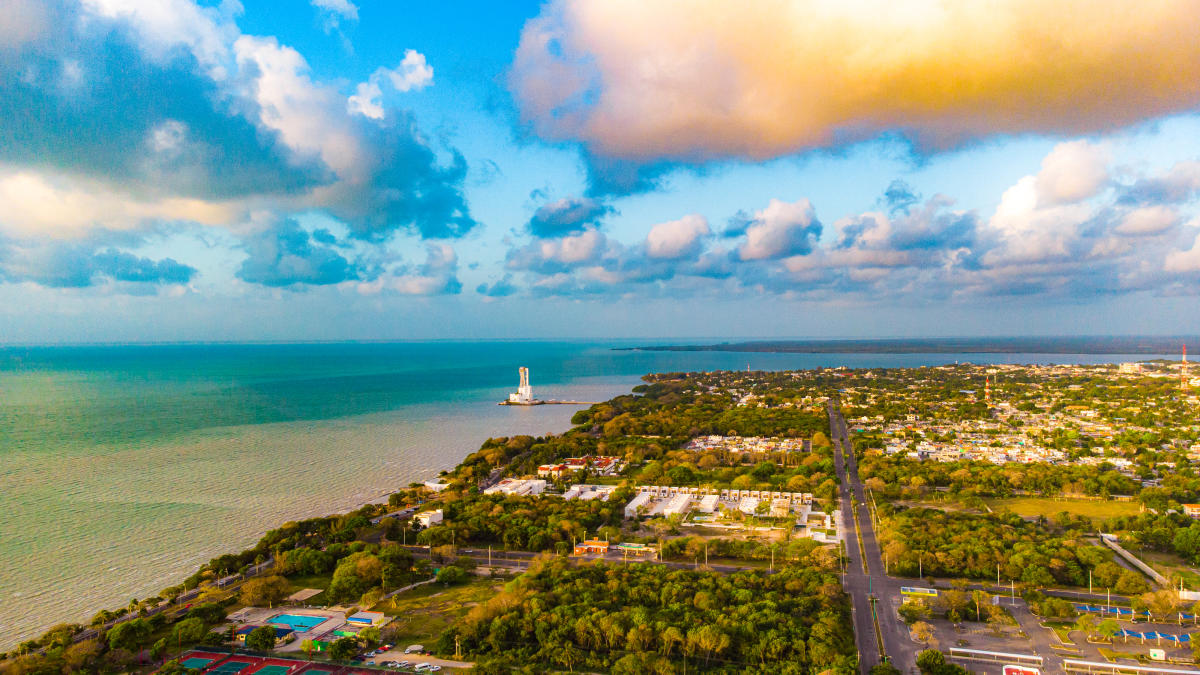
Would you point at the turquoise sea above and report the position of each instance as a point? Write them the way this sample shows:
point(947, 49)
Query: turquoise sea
point(122, 468)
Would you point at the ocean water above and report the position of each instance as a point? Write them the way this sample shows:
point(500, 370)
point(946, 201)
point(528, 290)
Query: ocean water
point(122, 468)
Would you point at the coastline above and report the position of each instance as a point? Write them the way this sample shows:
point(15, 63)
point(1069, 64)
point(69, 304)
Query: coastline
point(121, 581)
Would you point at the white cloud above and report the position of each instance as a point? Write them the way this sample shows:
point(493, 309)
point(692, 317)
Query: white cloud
point(677, 239)
point(306, 115)
point(437, 276)
point(710, 79)
point(412, 73)
point(780, 230)
point(1184, 261)
point(1147, 221)
point(165, 25)
point(37, 204)
point(1072, 172)
point(367, 100)
point(342, 8)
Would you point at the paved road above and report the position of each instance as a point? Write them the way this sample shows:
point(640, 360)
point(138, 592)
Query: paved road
point(861, 586)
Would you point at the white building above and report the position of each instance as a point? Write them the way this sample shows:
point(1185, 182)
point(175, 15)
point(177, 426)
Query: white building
point(678, 504)
point(589, 492)
point(524, 392)
point(708, 503)
point(429, 518)
point(631, 509)
point(517, 486)
point(749, 505)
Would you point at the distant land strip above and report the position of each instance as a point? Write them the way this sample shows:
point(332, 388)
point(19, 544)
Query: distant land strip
point(1010, 345)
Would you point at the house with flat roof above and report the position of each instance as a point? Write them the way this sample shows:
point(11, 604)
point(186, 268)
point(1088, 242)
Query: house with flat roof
point(429, 518)
point(367, 618)
point(282, 635)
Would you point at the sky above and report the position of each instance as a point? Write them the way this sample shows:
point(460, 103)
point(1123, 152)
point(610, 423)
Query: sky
point(174, 170)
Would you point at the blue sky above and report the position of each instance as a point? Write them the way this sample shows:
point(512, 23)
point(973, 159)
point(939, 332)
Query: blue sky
point(355, 169)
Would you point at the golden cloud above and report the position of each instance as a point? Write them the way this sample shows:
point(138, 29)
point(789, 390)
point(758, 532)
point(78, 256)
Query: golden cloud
point(707, 79)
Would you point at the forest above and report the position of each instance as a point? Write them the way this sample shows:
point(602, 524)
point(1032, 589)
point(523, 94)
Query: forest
point(650, 619)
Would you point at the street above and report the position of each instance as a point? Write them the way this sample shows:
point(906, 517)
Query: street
point(861, 586)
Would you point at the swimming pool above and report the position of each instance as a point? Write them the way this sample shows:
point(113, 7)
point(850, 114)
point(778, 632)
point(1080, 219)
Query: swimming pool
point(301, 623)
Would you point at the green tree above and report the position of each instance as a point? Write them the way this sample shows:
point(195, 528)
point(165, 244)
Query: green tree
point(188, 631)
point(343, 649)
point(369, 636)
point(930, 661)
point(261, 639)
point(129, 635)
point(451, 574)
point(265, 591)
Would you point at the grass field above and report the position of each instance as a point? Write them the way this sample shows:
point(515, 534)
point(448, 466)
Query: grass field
point(426, 611)
point(1172, 566)
point(1048, 506)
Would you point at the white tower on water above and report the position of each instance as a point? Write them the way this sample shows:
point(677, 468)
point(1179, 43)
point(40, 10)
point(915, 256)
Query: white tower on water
point(524, 391)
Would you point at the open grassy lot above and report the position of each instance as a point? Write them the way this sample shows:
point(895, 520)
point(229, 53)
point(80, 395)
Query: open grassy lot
point(426, 611)
point(1049, 506)
point(1172, 567)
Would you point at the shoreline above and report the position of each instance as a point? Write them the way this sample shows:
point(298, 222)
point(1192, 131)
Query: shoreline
point(224, 545)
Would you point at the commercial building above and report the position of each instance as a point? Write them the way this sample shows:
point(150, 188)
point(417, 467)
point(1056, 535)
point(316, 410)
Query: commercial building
point(592, 547)
point(708, 503)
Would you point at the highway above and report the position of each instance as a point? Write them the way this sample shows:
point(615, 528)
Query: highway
point(862, 586)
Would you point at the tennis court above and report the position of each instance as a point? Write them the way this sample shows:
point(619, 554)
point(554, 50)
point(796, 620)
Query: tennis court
point(196, 662)
point(273, 669)
point(231, 667)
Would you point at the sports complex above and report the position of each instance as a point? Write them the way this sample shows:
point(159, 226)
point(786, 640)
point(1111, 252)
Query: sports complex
point(224, 663)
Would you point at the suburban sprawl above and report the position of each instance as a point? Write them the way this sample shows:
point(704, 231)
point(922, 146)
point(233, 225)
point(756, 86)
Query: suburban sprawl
point(946, 519)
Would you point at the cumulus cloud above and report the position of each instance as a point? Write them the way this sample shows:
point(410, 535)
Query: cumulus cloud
point(285, 254)
point(552, 255)
point(700, 81)
point(62, 207)
point(1072, 172)
point(1179, 184)
point(498, 289)
point(780, 230)
point(1185, 261)
point(677, 239)
point(1147, 220)
point(1066, 230)
point(438, 275)
point(412, 73)
point(567, 216)
point(84, 263)
point(167, 105)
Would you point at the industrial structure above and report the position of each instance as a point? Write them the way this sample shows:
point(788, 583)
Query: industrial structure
point(524, 393)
